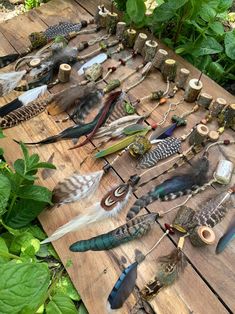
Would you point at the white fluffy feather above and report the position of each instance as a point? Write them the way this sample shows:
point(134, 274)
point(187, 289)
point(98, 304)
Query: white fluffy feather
point(8, 81)
point(32, 94)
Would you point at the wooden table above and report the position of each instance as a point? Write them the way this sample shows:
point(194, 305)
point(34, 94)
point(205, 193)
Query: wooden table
point(207, 285)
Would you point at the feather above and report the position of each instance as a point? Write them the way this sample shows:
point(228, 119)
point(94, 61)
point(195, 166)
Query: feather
point(174, 187)
point(228, 236)
point(161, 133)
point(110, 205)
point(97, 59)
point(169, 268)
point(123, 287)
point(76, 187)
point(5, 60)
point(134, 128)
point(133, 229)
point(63, 29)
point(165, 148)
point(23, 100)
point(121, 144)
point(8, 81)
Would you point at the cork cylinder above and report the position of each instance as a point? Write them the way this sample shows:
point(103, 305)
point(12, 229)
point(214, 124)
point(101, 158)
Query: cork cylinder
point(149, 50)
point(193, 90)
point(213, 136)
point(169, 69)
point(121, 27)
point(139, 43)
point(201, 236)
point(182, 78)
point(159, 58)
point(198, 135)
point(204, 100)
point(64, 73)
point(129, 37)
point(111, 25)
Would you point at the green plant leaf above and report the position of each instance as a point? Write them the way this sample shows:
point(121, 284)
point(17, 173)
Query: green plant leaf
point(65, 286)
point(82, 309)
point(36, 193)
point(23, 287)
point(19, 166)
point(25, 152)
point(167, 10)
point(136, 10)
point(224, 5)
point(1, 134)
point(207, 13)
point(33, 160)
point(46, 165)
point(3, 249)
point(23, 212)
point(61, 304)
point(217, 27)
point(207, 46)
point(5, 191)
point(216, 71)
point(229, 42)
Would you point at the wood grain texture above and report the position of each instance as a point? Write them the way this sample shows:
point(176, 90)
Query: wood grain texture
point(207, 283)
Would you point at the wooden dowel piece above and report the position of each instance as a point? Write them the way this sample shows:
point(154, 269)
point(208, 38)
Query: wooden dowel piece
point(193, 90)
point(213, 136)
point(64, 73)
point(204, 100)
point(159, 58)
point(149, 50)
point(101, 16)
point(217, 106)
point(35, 62)
point(121, 27)
point(182, 78)
point(169, 70)
point(94, 72)
point(139, 43)
point(111, 24)
point(199, 134)
point(129, 37)
point(202, 236)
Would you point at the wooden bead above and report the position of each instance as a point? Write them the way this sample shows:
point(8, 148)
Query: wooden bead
point(213, 136)
point(201, 236)
point(111, 24)
point(169, 70)
point(182, 78)
point(121, 27)
point(35, 62)
point(101, 16)
point(217, 106)
point(129, 37)
point(199, 134)
point(193, 90)
point(139, 43)
point(149, 51)
point(159, 58)
point(64, 73)
point(204, 100)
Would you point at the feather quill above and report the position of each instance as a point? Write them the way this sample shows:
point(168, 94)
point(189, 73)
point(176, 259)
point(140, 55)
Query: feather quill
point(8, 81)
point(110, 205)
point(228, 236)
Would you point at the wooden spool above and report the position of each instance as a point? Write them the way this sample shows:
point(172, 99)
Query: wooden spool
point(35, 62)
point(204, 100)
point(139, 43)
point(129, 37)
point(193, 90)
point(213, 136)
point(64, 73)
point(149, 50)
point(198, 135)
point(111, 25)
point(101, 16)
point(121, 27)
point(201, 236)
point(182, 78)
point(159, 58)
point(183, 218)
point(217, 106)
point(169, 70)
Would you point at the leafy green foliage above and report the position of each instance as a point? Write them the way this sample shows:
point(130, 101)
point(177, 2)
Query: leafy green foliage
point(5, 191)
point(30, 4)
point(135, 10)
point(61, 304)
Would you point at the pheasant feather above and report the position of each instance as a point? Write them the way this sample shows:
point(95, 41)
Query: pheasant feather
point(133, 229)
point(8, 81)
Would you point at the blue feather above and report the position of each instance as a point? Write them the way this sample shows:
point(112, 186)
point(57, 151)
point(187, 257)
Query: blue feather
point(123, 287)
point(228, 236)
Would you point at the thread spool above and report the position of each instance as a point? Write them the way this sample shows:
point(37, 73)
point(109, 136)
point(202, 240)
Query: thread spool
point(149, 50)
point(198, 135)
point(183, 218)
point(139, 43)
point(159, 58)
point(182, 78)
point(129, 37)
point(201, 236)
point(35, 62)
point(204, 100)
point(111, 24)
point(224, 171)
point(121, 27)
point(213, 136)
point(94, 72)
point(169, 70)
point(101, 16)
point(217, 106)
point(64, 73)
point(193, 90)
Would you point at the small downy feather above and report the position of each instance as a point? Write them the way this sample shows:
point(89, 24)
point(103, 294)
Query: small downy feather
point(169, 268)
point(23, 100)
point(133, 229)
point(165, 148)
point(5, 60)
point(110, 205)
point(76, 187)
point(8, 81)
point(228, 236)
point(123, 287)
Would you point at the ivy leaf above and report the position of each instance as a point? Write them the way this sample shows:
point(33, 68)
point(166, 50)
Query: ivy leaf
point(167, 10)
point(23, 287)
point(36, 193)
point(136, 10)
point(5, 191)
point(207, 46)
point(217, 27)
point(61, 304)
point(65, 286)
point(229, 42)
